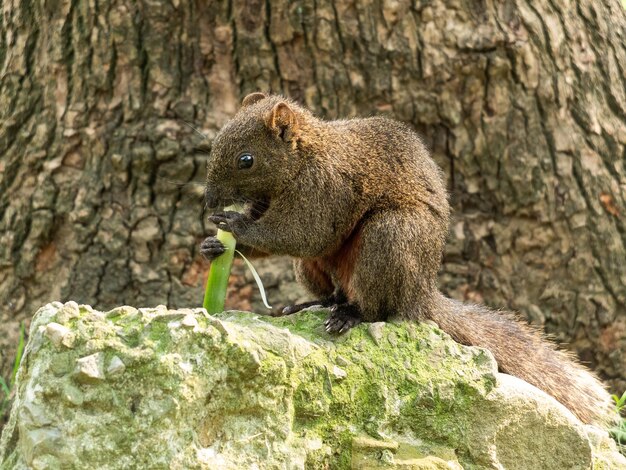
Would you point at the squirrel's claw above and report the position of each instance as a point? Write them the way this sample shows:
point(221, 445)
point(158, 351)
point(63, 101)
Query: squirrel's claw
point(342, 318)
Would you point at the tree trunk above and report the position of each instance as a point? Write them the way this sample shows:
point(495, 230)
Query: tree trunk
point(523, 104)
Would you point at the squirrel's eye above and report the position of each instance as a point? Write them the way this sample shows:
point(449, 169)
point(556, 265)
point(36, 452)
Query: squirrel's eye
point(245, 161)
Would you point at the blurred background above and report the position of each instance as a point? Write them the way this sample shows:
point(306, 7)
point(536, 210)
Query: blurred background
point(523, 104)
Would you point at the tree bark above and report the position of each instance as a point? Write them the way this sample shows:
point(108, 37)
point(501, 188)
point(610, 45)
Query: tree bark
point(523, 104)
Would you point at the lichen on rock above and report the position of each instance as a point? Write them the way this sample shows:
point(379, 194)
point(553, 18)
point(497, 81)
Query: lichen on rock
point(158, 388)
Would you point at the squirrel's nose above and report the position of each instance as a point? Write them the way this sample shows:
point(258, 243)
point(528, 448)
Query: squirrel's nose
point(211, 200)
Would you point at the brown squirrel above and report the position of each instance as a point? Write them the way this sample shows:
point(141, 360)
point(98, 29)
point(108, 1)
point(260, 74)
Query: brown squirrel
point(363, 209)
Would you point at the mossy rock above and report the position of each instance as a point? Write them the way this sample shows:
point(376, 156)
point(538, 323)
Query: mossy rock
point(157, 388)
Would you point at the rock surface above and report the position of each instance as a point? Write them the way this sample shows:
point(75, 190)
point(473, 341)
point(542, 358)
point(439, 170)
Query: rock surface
point(158, 388)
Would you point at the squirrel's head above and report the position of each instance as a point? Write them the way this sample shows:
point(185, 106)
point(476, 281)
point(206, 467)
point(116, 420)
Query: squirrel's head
point(255, 153)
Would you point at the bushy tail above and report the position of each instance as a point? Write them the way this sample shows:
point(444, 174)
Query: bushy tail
point(522, 351)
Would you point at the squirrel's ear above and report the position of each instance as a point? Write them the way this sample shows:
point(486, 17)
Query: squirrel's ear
point(252, 98)
point(282, 121)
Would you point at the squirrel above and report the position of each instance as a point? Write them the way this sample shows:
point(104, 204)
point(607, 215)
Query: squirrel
point(363, 209)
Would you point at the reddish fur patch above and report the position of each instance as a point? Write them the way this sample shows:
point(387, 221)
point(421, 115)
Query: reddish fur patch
point(342, 262)
point(317, 274)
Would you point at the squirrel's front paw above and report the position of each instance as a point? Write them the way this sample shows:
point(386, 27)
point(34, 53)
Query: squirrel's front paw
point(230, 221)
point(211, 248)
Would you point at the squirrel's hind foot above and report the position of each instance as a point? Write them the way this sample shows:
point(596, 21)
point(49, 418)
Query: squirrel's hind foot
point(338, 297)
point(291, 309)
point(342, 318)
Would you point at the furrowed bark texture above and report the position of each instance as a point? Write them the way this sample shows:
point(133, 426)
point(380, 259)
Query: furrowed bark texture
point(523, 104)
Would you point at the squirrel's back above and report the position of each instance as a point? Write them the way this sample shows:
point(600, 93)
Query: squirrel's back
point(384, 157)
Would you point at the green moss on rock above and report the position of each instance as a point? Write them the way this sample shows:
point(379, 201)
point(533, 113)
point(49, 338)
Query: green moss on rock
point(158, 388)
